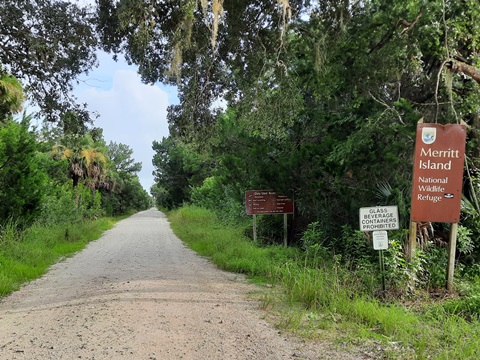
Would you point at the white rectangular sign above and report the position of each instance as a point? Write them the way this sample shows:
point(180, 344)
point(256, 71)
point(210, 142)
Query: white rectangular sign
point(379, 218)
point(380, 240)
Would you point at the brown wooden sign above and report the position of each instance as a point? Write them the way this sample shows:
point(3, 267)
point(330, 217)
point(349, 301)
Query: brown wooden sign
point(438, 172)
point(267, 202)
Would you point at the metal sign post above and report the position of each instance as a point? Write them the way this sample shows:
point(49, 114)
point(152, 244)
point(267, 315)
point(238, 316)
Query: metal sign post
point(379, 219)
point(382, 269)
point(380, 242)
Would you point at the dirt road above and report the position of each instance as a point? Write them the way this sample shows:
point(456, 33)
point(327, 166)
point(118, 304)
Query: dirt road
point(139, 293)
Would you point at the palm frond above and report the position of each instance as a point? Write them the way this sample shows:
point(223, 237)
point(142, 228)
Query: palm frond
point(468, 208)
point(384, 190)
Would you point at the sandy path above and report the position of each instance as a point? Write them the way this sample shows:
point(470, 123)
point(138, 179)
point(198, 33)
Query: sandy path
point(139, 293)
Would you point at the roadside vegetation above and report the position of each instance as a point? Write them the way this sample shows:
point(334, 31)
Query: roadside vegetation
point(320, 103)
point(317, 295)
point(26, 254)
point(61, 184)
point(59, 189)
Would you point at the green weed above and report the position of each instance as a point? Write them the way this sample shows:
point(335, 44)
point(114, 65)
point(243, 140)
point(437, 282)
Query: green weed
point(26, 255)
point(323, 296)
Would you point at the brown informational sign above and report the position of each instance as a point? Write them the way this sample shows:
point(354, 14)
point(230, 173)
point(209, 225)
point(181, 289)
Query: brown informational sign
point(438, 172)
point(267, 202)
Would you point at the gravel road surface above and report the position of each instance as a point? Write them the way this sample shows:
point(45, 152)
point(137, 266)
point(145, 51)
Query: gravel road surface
point(139, 293)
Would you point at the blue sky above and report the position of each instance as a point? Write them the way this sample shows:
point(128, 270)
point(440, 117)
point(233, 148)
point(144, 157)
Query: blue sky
point(129, 112)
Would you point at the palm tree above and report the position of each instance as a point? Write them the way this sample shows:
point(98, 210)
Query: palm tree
point(86, 164)
point(11, 95)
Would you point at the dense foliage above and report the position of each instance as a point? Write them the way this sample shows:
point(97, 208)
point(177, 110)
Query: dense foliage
point(47, 44)
point(321, 101)
point(325, 112)
point(64, 171)
point(22, 181)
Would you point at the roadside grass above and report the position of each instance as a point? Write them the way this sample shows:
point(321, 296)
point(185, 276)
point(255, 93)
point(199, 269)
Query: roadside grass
point(327, 300)
point(225, 245)
point(26, 255)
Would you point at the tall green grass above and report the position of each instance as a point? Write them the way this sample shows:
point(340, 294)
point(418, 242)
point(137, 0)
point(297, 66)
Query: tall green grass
point(27, 254)
point(225, 245)
point(325, 298)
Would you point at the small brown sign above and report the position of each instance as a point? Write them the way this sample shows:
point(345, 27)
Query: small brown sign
point(438, 172)
point(267, 202)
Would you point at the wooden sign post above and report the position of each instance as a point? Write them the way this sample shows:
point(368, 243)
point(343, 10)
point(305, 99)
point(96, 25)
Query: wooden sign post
point(437, 181)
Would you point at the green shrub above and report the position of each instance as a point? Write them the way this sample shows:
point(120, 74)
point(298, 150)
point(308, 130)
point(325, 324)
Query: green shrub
point(209, 195)
point(59, 207)
point(313, 240)
point(219, 197)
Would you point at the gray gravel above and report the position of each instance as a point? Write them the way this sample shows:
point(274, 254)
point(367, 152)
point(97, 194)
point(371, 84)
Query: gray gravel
point(139, 293)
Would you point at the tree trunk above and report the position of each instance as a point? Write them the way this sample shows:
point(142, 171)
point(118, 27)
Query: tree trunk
point(461, 67)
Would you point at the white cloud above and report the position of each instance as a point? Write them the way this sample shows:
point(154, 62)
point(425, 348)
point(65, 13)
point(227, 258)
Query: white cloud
point(84, 2)
point(131, 112)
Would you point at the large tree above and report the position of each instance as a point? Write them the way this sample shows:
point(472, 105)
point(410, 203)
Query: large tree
point(23, 182)
point(209, 49)
point(239, 49)
point(324, 95)
point(327, 108)
point(121, 157)
point(47, 44)
point(127, 194)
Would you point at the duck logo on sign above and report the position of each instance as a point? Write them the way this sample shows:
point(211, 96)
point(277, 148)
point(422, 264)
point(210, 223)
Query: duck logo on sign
point(429, 135)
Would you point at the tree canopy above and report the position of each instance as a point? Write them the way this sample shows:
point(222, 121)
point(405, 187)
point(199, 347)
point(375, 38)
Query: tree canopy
point(47, 44)
point(321, 97)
